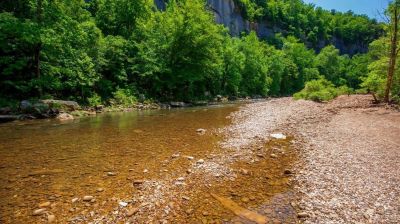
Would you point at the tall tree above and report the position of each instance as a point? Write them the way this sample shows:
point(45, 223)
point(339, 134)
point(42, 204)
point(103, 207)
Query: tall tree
point(394, 13)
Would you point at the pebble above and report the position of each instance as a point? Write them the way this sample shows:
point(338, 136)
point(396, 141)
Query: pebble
point(190, 157)
point(200, 161)
point(44, 204)
point(201, 131)
point(181, 179)
point(186, 198)
point(278, 136)
point(288, 172)
point(123, 204)
point(244, 171)
point(88, 198)
point(137, 182)
point(302, 215)
point(99, 189)
point(145, 170)
point(245, 200)
point(132, 212)
point(74, 200)
point(51, 218)
point(274, 156)
point(111, 174)
point(189, 211)
point(175, 155)
point(39, 211)
point(189, 171)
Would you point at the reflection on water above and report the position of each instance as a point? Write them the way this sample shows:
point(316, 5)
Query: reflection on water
point(100, 156)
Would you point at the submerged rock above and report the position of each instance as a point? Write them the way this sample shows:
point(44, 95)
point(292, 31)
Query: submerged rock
point(88, 198)
point(44, 204)
point(240, 211)
point(64, 117)
point(201, 131)
point(51, 218)
point(40, 211)
point(111, 174)
point(132, 211)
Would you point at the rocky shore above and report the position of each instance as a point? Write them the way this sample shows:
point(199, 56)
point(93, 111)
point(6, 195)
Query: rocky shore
point(349, 155)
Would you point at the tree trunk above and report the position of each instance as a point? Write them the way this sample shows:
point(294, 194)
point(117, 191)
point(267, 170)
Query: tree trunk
point(393, 55)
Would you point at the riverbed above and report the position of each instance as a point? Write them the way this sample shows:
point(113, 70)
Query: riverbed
point(164, 166)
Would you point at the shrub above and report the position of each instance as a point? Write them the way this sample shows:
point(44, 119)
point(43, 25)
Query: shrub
point(318, 90)
point(94, 100)
point(124, 97)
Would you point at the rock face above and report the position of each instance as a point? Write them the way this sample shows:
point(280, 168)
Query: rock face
point(226, 12)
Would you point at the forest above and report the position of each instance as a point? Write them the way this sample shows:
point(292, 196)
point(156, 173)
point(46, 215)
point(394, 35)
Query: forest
point(121, 51)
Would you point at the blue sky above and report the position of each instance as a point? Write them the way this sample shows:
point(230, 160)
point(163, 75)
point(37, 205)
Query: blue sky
point(369, 7)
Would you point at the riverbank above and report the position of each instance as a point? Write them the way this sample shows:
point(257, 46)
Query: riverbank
point(69, 110)
point(347, 171)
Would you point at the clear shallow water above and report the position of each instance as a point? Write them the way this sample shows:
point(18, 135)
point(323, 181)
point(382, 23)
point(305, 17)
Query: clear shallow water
point(54, 161)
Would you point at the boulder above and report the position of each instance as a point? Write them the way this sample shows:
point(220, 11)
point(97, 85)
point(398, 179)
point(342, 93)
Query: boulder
point(200, 103)
point(5, 110)
point(25, 106)
point(62, 104)
point(178, 104)
point(64, 117)
point(7, 118)
point(99, 108)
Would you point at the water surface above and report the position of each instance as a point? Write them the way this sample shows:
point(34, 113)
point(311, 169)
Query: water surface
point(101, 156)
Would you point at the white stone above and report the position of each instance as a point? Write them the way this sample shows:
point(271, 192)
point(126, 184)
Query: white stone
point(278, 136)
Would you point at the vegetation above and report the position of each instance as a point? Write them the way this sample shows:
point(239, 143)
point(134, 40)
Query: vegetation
point(112, 51)
point(383, 79)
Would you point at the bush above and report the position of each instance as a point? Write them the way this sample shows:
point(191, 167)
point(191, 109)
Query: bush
point(94, 100)
point(124, 97)
point(318, 90)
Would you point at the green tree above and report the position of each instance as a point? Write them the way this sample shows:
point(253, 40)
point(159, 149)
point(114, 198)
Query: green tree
point(180, 51)
point(255, 72)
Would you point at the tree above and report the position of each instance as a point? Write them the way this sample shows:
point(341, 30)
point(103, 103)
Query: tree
point(180, 53)
point(255, 72)
point(394, 13)
point(329, 62)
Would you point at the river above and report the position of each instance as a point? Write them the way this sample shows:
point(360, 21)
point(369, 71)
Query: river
point(138, 167)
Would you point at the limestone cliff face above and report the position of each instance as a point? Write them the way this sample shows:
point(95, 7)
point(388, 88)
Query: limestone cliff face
point(229, 14)
point(226, 12)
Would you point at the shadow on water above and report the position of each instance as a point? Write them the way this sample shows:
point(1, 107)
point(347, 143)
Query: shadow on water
point(100, 156)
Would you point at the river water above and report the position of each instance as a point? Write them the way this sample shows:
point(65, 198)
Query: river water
point(139, 167)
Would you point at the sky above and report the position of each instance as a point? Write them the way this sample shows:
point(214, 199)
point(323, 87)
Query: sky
point(368, 7)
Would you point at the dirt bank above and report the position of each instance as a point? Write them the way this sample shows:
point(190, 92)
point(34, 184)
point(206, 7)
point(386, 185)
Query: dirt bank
point(349, 171)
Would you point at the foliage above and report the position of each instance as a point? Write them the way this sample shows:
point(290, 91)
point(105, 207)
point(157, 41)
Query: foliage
point(94, 100)
point(180, 51)
point(313, 24)
point(112, 51)
point(318, 90)
point(375, 81)
point(124, 97)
